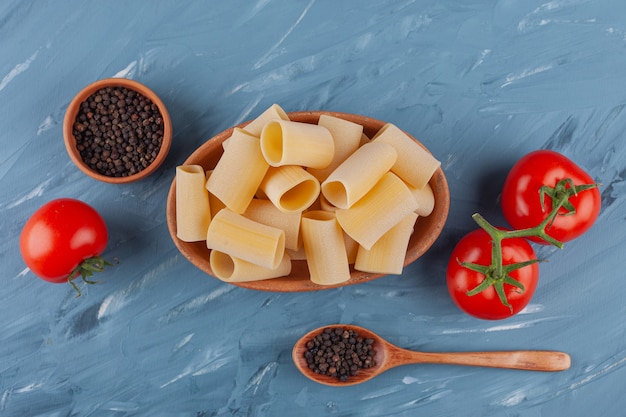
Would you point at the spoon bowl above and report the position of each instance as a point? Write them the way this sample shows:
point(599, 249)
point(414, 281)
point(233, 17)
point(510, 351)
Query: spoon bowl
point(389, 356)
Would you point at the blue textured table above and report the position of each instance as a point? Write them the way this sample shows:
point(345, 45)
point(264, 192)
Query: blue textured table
point(479, 82)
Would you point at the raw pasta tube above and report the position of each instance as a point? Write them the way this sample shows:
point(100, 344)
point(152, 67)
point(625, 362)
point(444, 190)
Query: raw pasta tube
point(415, 165)
point(273, 112)
point(239, 172)
point(352, 247)
point(347, 138)
point(284, 142)
point(425, 199)
point(349, 182)
point(324, 247)
point(297, 255)
point(231, 269)
point(193, 214)
point(290, 188)
point(246, 239)
point(215, 203)
point(325, 204)
point(387, 255)
point(265, 212)
point(388, 202)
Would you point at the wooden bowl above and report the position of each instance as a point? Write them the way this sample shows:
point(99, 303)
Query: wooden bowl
point(427, 229)
point(70, 118)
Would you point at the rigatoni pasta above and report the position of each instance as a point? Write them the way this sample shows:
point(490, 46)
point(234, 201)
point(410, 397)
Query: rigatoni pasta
point(291, 188)
point(415, 165)
point(284, 142)
point(193, 214)
point(388, 202)
point(346, 137)
point(286, 191)
point(246, 239)
point(265, 212)
point(386, 256)
point(273, 112)
point(349, 181)
point(214, 203)
point(297, 255)
point(324, 248)
point(325, 204)
point(352, 248)
point(231, 269)
point(239, 171)
point(425, 199)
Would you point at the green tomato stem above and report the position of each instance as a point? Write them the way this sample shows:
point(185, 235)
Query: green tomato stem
point(86, 269)
point(497, 274)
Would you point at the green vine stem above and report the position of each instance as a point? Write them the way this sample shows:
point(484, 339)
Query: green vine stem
point(497, 274)
point(86, 269)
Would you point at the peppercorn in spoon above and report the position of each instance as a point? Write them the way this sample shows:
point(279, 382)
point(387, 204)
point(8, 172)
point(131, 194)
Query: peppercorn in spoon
point(351, 355)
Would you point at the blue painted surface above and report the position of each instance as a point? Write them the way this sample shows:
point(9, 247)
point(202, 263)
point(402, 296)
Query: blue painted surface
point(479, 82)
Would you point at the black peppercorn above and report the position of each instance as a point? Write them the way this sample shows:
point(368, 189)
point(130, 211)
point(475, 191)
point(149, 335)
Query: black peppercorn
point(112, 143)
point(339, 353)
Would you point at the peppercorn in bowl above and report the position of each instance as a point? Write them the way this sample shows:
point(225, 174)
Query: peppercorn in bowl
point(117, 130)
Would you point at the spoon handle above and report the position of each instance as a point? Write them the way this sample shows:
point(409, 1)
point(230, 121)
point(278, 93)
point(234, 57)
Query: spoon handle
point(532, 360)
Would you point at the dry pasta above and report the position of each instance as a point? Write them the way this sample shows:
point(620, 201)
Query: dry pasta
point(387, 255)
point(230, 269)
point(352, 247)
point(193, 213)
point(273, 112)
point(347, 138)
point(388, 202)
point(297, 255)
point(349, 181)
point(214, 203)
point(246, 239)
point(290, 188)
point(324, 193)
point(239, 172)
point(265, 212)
point(284, 142)
point(425, 199)
point(325, 204)
point(415, 165)
point(325, 249)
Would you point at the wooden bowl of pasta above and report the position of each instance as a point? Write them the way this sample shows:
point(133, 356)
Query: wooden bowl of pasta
point(425, 230)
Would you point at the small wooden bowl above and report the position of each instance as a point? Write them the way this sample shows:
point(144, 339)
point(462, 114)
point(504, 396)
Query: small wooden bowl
point(427, 229)
point(70, 118)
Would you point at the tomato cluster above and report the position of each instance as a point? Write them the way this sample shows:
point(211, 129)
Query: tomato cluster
point(546, 198)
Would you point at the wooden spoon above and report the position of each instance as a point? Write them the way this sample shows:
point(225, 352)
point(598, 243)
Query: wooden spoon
point(389, 356)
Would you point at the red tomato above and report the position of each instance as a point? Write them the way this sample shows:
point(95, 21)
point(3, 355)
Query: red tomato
point(475, 248)
point(521, 202)
point(60, 236)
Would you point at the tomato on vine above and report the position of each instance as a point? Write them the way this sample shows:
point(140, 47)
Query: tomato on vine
point(548, 199)
point(485, 291)
point(537, 183)
point(63, 240)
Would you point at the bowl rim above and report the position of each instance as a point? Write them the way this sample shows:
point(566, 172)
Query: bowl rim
point(72, 111)
point(300, 284)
